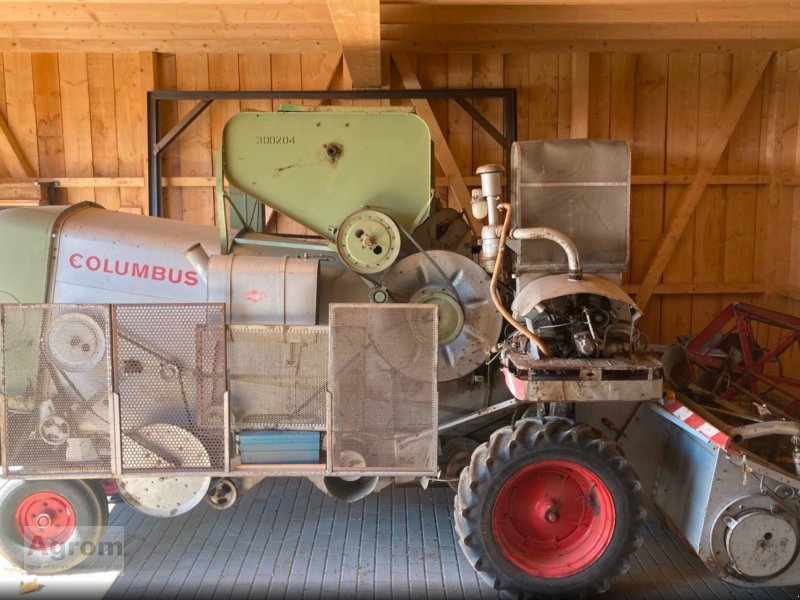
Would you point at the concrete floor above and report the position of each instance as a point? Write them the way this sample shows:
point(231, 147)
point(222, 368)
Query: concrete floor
point(287, 540)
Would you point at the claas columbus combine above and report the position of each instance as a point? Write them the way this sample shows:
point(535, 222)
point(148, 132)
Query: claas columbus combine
point(390, 346)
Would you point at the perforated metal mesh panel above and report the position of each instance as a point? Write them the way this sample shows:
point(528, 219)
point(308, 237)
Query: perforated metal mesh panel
point(169, 365)
point(278, 376)
point(56, 385)
point(581, 188)
point(383, 386)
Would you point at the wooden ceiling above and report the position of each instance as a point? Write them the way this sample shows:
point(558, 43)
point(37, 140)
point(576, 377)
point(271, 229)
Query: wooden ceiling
point(362, 29)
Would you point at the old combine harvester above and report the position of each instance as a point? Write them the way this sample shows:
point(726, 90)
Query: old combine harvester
point(185, 363)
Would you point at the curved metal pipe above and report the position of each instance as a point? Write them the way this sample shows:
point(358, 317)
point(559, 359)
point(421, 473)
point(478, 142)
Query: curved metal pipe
point(756, 430)
point(198, 258)
point(503, 230)
point(548, 233)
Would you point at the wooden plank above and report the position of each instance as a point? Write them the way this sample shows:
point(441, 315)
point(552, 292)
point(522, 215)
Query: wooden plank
point(255, 74)
point(599, 99)
point(516, 74)
point(622, 102)
point(319, 71)
point(711, 152)
point(648, 156)
point(131, 126)
point(459, 124)
point(195, 141)
point(709, 232)
point(167, 79)
point(20, 112)
point(103, 121)
point(544, 98)
point(74, 82)
point(742, 201)
point(579, 113)
point(433, 75)
point(487, 73)
point(4, 172)
point(441, 148)
point(358, 27)
point(682, 124)
point(49, 130)
point(229, 42)
point(564, 95)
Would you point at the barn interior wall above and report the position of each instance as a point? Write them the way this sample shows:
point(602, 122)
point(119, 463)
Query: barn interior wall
point(81, 118)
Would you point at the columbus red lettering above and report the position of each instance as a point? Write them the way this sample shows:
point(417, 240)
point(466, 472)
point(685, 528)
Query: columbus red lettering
point(93, 263)
point(133, 269)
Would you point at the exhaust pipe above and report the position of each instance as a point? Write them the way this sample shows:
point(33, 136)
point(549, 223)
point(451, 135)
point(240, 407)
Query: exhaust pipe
point(198, 258)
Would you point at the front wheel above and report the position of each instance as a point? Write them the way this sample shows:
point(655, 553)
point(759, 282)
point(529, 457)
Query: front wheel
point(548, 509)
point(46, 526)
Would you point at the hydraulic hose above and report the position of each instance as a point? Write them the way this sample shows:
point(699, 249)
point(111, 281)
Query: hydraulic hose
point(535, 339)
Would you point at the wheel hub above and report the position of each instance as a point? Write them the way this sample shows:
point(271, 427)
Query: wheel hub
point(553, 518)
point(45, 520)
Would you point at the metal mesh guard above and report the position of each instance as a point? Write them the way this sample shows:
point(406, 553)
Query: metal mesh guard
point(383, 386)
point(56, 384)
point(169, 367)
point(278, 376)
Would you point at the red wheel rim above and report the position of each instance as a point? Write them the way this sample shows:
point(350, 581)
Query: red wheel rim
point(553, 518)
point(45, 520)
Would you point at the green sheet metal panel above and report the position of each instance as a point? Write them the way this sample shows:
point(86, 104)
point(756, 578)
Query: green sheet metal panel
point(28, 233)
point(319, 167)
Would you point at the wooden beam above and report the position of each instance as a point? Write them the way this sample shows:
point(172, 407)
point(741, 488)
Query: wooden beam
point(148, 67)
point(579, 122)
point(11, 154)
point(358, 27)
point(442, 150)
point(664, 289)
point(707, 160)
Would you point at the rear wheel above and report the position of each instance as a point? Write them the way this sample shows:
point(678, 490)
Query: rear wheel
point(548, 509)
point(45, 526)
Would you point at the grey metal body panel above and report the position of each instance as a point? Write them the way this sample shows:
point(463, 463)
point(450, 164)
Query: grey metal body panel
point(265, 290)
point(106, 256)
point(555, 286)
point(581, 188)
point(695, 485)
point(28, 232)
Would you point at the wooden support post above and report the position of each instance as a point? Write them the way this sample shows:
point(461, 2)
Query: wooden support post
point(443, 153)
point(579, 123)
point(709, 157)
point(11, 154)
point(358, 27)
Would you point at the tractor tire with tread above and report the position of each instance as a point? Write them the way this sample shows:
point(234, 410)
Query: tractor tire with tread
point(532, 444)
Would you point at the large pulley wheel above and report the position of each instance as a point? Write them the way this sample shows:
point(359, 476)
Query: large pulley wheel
point(46, 526)
point(468, 323)
point(548, 509)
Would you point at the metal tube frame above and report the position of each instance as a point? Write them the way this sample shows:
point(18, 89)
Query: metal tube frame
point(157, 143)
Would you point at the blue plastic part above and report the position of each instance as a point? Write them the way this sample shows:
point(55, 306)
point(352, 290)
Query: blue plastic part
point(279, 447)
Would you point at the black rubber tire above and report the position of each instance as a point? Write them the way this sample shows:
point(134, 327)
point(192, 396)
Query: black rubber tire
point(102, 498)
point(528, 441)
point(91, 515)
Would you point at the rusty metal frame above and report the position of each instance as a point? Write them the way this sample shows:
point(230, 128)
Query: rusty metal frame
point(157, 143)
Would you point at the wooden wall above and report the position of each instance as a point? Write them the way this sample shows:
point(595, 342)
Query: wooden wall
point(80, 118)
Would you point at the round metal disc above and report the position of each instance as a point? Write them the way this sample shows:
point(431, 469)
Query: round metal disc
point(368, 241)
point(74, 342)
point(161, 446)
point(415, 277)
point(761, 544)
